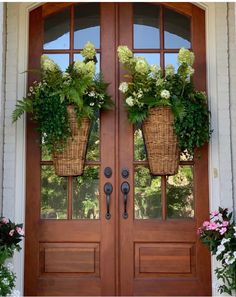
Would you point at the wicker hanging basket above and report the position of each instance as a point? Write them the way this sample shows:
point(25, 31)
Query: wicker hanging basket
point(161, 142)
point(71, 161)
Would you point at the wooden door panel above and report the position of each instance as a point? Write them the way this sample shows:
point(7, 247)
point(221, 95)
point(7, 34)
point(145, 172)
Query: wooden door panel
point(163, 256)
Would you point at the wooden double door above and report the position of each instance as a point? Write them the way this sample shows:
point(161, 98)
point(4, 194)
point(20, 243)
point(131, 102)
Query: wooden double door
point(148, 246)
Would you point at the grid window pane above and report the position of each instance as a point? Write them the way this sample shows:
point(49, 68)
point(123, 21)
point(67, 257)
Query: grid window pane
point(147, 194)
point(146, 26)
point(180, 198)
point(177, 30)
point(57, 31)
point(86, 194)
point(87, 25)
point(53, 194)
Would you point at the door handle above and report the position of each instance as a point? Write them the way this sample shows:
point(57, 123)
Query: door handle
point(125, 188)
point(108, 190)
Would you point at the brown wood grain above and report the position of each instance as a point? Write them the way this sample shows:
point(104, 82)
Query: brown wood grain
point(117, 256)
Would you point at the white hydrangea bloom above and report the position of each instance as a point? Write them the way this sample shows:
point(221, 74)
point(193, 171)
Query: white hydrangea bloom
point(124, 54)
point(90, 68)
point(124, 86)
point(165, 94)
point(130, 101)
point(88, 51)
point(79, 66)
point(185, 56)
point(141, 66)
point(48, 64)
point(169, 70)
point(155, 69)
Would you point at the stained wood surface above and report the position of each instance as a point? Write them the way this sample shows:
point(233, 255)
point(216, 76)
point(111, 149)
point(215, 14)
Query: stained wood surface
point(116, 257)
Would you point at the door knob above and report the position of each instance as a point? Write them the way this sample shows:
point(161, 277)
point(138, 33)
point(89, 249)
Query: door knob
point(108, 190)
point(125, 188)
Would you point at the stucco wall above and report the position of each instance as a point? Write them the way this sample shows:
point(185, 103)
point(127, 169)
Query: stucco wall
point(220, 27)
point(2, 92)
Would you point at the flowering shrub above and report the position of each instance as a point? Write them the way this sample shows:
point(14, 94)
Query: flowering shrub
point(219, 234)
point(149, 86)
point(10, 236)
point(48, 98)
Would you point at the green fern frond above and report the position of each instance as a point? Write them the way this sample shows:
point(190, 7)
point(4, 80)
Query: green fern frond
point(22, 106)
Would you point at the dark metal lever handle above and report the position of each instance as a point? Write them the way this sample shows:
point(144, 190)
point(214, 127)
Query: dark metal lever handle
point(125, 188)
point(108, 190)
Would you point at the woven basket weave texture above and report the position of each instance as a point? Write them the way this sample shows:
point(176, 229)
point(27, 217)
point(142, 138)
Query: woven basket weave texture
point(161, 141)
point(71, 161)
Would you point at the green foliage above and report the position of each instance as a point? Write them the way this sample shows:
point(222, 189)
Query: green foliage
point(7, 280)
point(10, 236)
point(149, 86)
point(219, 235)
point(48, 99)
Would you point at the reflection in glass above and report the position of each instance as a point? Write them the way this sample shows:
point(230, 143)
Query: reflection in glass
point(57, 31)
point(177, 30)
point(80, 57)
point(61, 59)
point(93, 152)
point(87, 25)
point(53, 194)
point(147, 194)
point(86, 194)
point(150, 58)
point(146, 26)
point(139, 146)
point(45, 155)
point(180, 201)
point(172, 59)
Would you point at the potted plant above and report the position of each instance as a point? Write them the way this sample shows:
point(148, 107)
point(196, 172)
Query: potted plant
point(174, 116)
point(11, 235)
point(63, 104)
point(219, 235)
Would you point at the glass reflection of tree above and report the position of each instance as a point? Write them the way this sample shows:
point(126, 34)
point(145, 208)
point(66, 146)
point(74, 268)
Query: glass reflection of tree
point(180, 194)
point(139, 147)
point(147, 194)
point(180, 202)
point(53, 194)
point(86, 194)
point(94, 140)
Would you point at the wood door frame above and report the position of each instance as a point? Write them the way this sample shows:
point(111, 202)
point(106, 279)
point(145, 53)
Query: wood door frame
point(33, 135)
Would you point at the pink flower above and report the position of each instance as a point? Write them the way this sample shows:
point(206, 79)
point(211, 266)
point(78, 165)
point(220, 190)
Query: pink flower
point(213, 226)
point(214, 213)
point(206, 223)
point(20, 231)
point(4, 221)
point(11, 232)
point(225, 223)
point(223, 230)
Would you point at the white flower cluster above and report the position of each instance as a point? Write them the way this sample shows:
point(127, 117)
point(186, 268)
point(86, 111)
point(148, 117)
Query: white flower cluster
point(165, 94)
point(141, 66)
point(88, 51)
point(135, 99)
point(48, 64)
point(169, 70)
point(85, 68)
point(185, 56)
point(124, 54)
point(230, 256)
point(124, 87)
